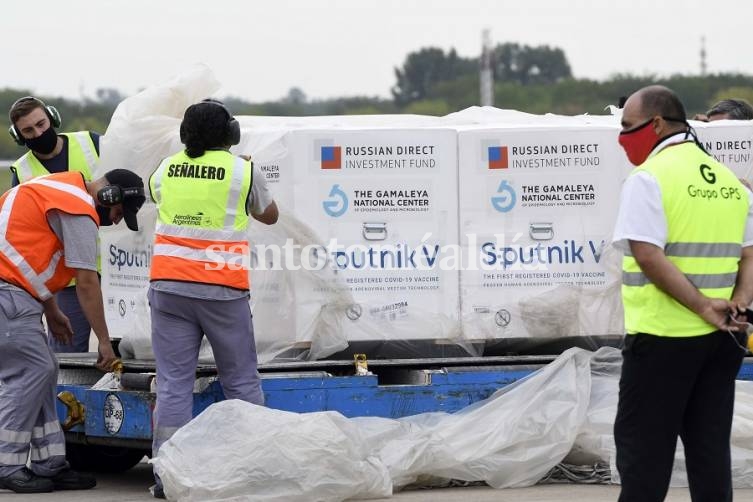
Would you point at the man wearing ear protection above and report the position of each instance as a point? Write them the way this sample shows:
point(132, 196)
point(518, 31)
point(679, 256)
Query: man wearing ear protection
point(685, 225)
point(48, 235)
point(200, 286)
point(33, 124)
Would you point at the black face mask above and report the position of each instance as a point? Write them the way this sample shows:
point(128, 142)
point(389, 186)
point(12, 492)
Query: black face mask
point(45, 143)
point(104, 216)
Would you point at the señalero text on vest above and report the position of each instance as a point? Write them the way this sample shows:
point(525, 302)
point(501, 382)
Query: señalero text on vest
point(186, 170)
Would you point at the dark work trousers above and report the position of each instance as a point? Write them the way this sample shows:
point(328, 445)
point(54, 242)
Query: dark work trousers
point(178, 325)
point(674, 386)
point(67, 300)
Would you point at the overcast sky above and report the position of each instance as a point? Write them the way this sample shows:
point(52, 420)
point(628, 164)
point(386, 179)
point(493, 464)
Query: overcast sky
point(258, 49)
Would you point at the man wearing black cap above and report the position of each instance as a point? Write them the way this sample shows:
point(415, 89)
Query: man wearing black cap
point(48, 236)
point(120, 194)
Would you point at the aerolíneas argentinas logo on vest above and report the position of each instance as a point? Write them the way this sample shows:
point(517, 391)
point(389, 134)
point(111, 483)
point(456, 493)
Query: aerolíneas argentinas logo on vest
point(186, 170)
point(197, 219)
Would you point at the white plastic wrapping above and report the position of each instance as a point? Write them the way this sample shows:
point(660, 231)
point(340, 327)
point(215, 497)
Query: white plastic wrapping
point(596, 441)
point(565, 411)
point(511, 439)
point(270, 455)
point(109, 381)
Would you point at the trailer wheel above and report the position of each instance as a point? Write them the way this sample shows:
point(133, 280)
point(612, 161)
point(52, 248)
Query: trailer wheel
point(98, 458)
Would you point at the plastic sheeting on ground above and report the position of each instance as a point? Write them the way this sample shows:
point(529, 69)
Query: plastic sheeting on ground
point(595, 441)
point(565, 411)
point(239, 451)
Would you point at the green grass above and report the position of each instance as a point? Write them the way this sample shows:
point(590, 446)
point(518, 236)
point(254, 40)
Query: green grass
point(5, 177)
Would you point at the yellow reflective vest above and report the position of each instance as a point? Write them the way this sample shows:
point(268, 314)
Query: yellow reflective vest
point(202, 220)
point(82, 157)
point(706, 209)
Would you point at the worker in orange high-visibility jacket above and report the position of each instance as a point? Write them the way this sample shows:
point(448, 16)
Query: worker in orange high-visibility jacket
point(204, 196)
point(48, 236)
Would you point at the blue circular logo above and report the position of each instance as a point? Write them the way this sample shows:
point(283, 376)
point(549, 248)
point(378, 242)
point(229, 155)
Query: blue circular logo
point(505, 200)
point(337, 204)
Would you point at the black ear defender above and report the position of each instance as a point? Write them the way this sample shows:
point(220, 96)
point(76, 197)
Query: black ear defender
point(51, 112)
point(183, 132)
point(112, 195)
point(232, 128)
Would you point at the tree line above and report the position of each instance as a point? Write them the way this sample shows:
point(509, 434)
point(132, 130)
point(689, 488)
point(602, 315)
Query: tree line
point(432, 81)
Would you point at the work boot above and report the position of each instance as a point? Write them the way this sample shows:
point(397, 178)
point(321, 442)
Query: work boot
point(68, 479)
point(157, 491)
point(25, 481)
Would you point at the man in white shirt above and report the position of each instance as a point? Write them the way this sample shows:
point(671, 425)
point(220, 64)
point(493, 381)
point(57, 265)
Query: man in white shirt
point(686, 228)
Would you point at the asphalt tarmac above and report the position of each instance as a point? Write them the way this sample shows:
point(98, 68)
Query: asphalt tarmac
point(133, 486)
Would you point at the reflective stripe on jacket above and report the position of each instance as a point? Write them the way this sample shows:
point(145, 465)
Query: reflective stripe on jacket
point(31, 255)
point(706, 208)
point(82, 157)
point(202, 221)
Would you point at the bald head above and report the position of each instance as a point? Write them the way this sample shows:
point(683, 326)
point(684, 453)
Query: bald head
point(655, 101)
point(659, 100)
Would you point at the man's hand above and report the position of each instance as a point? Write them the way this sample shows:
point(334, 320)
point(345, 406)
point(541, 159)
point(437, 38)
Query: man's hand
point(90, 297)
point(59, 324)
point(106, 357)
point(717, 312)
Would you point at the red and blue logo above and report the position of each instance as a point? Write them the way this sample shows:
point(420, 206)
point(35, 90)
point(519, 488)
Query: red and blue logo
point(498, 157)
point(331, 157)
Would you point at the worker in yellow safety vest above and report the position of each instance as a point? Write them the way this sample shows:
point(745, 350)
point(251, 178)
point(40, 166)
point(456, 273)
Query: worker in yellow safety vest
point(200, 266)
point(686, 228)
point(33, 124)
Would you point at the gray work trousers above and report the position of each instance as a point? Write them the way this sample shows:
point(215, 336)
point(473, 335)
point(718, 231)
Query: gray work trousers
point(29, 425)
point(67, 300)
point(178, 325)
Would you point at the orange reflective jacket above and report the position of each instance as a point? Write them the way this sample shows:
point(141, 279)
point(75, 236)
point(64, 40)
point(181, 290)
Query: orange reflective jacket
point(31, 255)
point(202, 220)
